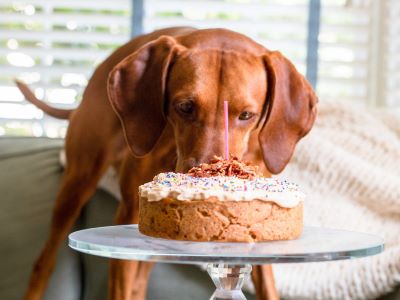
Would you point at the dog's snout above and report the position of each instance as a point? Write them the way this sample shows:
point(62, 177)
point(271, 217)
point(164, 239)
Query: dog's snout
point(190, 163)
point(185, 165)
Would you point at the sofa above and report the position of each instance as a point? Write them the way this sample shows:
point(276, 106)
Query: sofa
point(30, 174)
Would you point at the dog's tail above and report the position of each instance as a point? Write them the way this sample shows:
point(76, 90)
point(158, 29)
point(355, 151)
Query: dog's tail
point(52, 111)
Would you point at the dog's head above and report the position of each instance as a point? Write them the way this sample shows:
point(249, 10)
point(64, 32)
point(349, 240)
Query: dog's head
point(185, 80)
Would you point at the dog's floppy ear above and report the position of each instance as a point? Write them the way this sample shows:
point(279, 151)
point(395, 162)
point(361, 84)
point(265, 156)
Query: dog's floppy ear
point(290, 113)
point(136, 88)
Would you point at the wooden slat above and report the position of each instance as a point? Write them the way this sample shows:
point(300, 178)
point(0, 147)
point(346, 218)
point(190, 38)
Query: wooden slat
point(65, 36)
point(14, 111)
point(240, 25)
point(281, 44)
point(48, 70)
point(357, 46)
point(357, 64)
point(251, 9)
point(25, 103)
point(341, 81)
point(68, 54)
point(62, 18)
point(78, 4)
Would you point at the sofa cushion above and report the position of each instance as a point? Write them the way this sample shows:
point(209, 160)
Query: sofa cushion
point(29, 178)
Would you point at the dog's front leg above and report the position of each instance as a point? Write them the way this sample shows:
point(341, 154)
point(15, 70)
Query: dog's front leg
point(128, 279)
point(78, 185)
point(264, 282)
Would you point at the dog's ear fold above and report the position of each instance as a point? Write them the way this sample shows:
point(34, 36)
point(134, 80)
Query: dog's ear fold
point(290, 111)
point(136, 88)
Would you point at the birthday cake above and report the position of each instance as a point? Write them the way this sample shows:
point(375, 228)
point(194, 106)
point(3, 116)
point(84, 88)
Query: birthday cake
point(225, 200)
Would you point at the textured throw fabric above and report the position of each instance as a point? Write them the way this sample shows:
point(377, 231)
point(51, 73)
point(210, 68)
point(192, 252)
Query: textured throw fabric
point(349, 166)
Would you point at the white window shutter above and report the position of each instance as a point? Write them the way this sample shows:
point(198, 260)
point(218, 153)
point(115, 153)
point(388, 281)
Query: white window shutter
point(359, 52)
point(390, 37)
point(343, 51)
point(278, 25)
point(54, 46)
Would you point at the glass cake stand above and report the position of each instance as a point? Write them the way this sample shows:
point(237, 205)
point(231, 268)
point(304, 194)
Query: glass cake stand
point(228, 264)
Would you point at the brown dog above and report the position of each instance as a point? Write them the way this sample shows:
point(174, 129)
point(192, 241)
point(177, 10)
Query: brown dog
point(167, 90)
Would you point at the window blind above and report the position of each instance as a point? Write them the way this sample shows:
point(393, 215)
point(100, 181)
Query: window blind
point(344, 43)
point(54, 46)
point(278, 25)
point(358, 54)
point(390, 59)
point(357, 39)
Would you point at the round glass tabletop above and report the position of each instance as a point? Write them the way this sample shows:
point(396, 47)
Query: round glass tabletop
point(315, 244)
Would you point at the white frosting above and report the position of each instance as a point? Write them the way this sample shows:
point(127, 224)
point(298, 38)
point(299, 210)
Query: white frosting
point(185, 187)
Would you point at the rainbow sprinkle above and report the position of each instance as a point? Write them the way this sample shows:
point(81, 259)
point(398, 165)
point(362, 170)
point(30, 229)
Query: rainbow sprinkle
point(225, 183)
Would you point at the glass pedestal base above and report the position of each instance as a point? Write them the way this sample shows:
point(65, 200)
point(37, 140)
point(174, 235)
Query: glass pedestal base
point(228, 279)
point(315, 244)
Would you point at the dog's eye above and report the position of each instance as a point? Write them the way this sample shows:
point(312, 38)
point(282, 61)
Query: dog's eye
point(246, 115)
point(185, 107)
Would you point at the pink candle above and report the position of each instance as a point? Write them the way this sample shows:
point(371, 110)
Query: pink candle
point(226, 123)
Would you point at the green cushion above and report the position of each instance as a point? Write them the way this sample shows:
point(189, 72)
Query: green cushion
point(29, 178)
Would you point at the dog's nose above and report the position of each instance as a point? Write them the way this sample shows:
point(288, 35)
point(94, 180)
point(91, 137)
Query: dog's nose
point(185, 165)
point(190, 163)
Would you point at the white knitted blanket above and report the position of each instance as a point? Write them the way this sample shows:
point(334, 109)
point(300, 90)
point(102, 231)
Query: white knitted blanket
point(349, 166)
